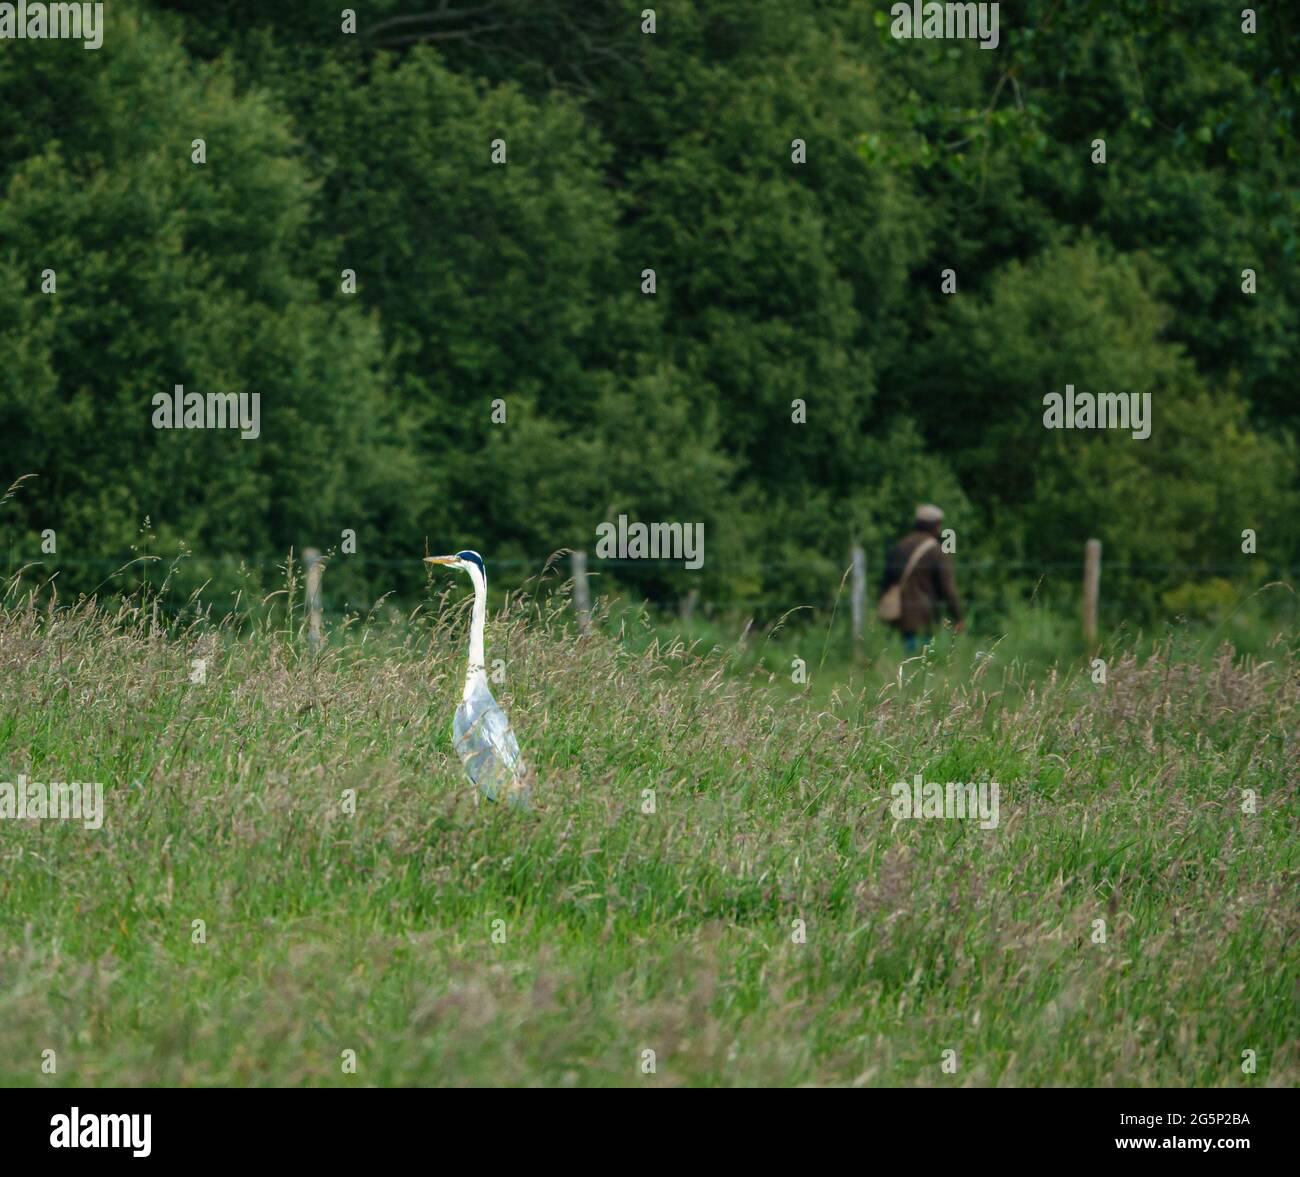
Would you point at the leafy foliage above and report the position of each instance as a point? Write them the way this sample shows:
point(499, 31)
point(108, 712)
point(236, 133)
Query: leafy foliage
point(782, 279)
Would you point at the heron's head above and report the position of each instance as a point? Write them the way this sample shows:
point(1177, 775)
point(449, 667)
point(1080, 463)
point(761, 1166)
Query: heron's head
point(466, 561)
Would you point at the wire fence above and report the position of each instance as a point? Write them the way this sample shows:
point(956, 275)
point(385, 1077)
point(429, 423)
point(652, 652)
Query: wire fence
point(1031, 566)
point(972, 574)
point(843, 598)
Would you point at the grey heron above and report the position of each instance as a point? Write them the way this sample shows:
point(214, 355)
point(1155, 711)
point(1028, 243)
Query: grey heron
point(480, 730)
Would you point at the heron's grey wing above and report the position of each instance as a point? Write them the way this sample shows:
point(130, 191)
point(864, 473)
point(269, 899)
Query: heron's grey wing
point(482, 719)
point(502, 735)
point(487, 745)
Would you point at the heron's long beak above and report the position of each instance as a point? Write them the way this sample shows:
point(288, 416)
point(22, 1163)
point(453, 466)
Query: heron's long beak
point(440, 559)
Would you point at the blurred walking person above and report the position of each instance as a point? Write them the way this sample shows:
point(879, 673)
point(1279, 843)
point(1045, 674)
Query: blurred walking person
point(918, 575)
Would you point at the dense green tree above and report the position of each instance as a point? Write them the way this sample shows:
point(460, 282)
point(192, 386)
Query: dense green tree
point(797, 178)
point(170, 272)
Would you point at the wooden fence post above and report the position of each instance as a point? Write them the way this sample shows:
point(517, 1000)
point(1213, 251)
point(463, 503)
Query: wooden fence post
point(858, 598)
point(1091, 590)
point(581, 591)
point(686, 609)
point(314, 566)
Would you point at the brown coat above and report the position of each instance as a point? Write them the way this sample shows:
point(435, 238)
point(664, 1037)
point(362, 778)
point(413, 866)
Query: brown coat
point(931, 581)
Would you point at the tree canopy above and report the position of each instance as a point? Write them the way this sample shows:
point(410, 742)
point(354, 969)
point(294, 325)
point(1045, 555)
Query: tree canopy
point(424, 241)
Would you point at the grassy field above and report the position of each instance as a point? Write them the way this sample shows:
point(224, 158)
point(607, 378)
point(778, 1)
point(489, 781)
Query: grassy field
point(451, 943)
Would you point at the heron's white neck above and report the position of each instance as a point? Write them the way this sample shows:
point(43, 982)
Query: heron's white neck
point(476, 671)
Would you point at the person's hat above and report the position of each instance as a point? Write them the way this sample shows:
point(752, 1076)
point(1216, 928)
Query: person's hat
point(928, 513)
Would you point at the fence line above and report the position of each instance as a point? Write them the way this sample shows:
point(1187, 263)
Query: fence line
point(314, 563)
point(963, 566)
